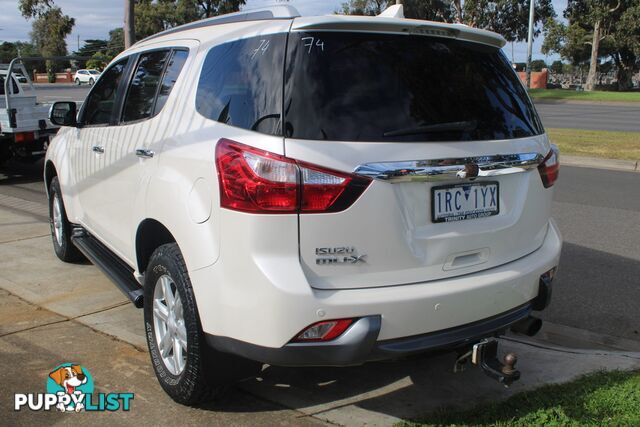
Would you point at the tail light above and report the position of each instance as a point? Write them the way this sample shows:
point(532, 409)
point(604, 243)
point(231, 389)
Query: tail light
point(24, 136)
point(550, 168)
point(258, 181)
point(323, 331)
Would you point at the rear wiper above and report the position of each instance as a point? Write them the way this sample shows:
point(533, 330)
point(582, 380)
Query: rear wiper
point(439, 127)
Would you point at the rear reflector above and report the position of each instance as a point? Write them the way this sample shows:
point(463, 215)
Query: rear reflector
point(323, 331)
point(257, 181)
point(550, 168)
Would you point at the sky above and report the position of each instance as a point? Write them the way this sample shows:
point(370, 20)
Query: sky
point(94, 19)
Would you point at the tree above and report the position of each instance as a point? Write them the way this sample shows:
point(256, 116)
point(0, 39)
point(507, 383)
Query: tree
point(625, 43)
point(49, 29)
point(596, 30)
point(98, 61)
point(556, 67)
point(153, 16)
point(90, 48)
point(597, 15)
point(538, 65)
point(115, 45)
point(34, 8)
point(510, 18)
point(569, 41)
point(209, 8)
point(364, 7)
point(9, 50)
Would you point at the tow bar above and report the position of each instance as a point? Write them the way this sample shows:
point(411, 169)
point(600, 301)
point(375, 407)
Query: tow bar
point(485, 355)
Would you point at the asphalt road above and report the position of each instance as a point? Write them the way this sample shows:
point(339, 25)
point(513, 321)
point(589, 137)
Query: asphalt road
point(598, 211)
point(598, 284)
point(590, 116)
point(554, 115)
point(49, 93)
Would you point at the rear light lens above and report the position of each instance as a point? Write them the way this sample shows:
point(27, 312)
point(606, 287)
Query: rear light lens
point(24, 136)
point(550, 168)
point(258, 181)
point(323, 331)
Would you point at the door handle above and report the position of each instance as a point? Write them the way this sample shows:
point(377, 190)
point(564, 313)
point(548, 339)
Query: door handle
point(97, 149)
point(144, 153)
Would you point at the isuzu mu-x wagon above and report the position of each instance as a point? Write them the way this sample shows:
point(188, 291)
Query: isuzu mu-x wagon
point(310, 191)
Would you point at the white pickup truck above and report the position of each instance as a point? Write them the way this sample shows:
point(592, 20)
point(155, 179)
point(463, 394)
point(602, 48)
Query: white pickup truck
point(24, 124)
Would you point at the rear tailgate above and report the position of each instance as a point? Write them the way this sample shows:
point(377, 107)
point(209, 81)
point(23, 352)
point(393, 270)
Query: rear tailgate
point(392, 225)
point(391, 106)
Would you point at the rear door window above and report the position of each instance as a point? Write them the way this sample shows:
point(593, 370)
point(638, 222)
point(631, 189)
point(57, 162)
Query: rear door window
point(241, 83)
point(144, 85)
point(395, 87)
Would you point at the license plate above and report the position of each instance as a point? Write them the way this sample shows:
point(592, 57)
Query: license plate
point(459, 202)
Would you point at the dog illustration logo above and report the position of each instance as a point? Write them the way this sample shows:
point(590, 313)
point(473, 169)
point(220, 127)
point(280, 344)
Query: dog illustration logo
point(72, 380)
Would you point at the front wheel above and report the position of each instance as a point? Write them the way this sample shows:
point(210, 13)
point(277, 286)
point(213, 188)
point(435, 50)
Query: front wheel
point(91, 82)
point(188, 370)
point(78, 82)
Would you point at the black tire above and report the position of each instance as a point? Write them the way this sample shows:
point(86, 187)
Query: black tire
point(91, 82)
point(206, 372)
point(64, 249)
point(77, 81)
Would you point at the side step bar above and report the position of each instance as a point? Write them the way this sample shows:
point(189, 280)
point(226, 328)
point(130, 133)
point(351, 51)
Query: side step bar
point(110, 264)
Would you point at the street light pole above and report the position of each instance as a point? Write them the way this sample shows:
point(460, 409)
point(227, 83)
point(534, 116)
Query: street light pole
point(530, 41)
point(129, 25)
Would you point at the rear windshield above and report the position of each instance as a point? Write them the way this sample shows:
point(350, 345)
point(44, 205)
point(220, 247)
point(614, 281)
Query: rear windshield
point(383, 87)
point(13, 83)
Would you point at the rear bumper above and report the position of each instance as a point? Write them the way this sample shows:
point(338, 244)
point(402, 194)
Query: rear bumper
point(359, 344)
point(254, 305)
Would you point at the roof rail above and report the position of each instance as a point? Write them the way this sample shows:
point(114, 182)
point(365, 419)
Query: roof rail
point(261, 14)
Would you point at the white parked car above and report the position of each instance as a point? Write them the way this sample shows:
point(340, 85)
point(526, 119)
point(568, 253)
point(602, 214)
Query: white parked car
point(310, 191)
point(86, 76)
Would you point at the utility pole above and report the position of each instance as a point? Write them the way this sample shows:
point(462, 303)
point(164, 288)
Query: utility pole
point(129, 23)
point(530, 42)
point(78, 43)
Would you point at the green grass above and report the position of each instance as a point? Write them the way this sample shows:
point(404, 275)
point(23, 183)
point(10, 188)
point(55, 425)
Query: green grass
point(596, 143)
point(600, 399)
point(595, 96)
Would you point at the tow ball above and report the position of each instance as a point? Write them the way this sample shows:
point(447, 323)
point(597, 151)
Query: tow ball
point(485, 355)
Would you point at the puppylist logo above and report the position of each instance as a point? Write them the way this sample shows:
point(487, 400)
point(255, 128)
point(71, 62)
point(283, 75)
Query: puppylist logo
point(70, 388)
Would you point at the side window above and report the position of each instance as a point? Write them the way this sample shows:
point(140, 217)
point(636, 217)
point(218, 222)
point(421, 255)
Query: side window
point(144, 85)
point(241, 83)
point(170, 76)
point(99, 105)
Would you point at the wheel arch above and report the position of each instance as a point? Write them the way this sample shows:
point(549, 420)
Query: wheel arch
point(49, 173)
point(150, 235)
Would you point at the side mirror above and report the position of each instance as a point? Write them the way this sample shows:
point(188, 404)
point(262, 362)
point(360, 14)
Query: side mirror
point(63, 113)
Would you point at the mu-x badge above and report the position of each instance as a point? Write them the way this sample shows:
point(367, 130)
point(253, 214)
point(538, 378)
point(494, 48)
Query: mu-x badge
point(338, 255)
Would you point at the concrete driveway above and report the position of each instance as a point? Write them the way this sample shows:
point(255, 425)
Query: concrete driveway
point(51, 312)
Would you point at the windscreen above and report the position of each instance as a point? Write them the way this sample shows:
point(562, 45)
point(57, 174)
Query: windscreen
point(394, 87)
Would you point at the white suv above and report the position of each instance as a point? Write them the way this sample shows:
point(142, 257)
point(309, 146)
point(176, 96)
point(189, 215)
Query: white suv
point(86, 76)
point(304, 191)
